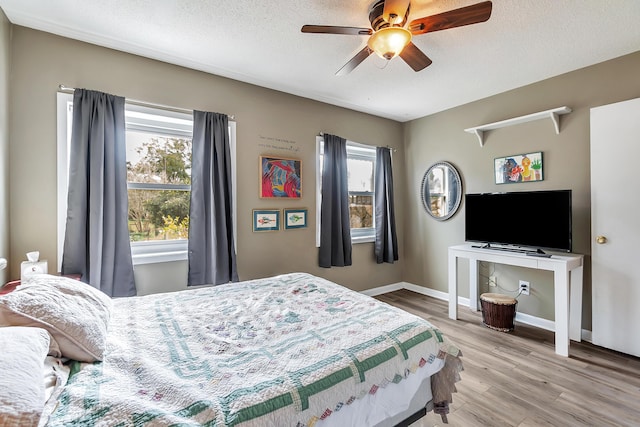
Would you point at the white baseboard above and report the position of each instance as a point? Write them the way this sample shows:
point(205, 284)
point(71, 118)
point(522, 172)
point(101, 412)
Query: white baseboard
point(527, 319)
point(383, 289)
point(538, 322)
point(433, 293)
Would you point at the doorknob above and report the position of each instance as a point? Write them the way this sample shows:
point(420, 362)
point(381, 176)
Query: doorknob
point(601, 240)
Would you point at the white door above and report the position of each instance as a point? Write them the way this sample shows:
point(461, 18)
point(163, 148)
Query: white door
point(615, 225)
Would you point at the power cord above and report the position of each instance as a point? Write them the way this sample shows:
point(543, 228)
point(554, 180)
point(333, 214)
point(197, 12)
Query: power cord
point(487, 277)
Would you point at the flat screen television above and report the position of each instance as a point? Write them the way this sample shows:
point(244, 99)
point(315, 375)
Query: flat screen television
point(529, 219)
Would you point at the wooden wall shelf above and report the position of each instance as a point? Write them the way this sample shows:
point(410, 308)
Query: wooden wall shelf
point(553, 114)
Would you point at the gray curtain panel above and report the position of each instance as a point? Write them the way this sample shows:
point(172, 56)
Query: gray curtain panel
point(96, 242)
point(386, 246)
point(335, 229)
point(212, 256)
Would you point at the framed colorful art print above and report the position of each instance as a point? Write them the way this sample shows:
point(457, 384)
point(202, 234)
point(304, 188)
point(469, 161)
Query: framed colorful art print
point(266, 219)
point(295, 218)
point(518, 168)
point(280, 178)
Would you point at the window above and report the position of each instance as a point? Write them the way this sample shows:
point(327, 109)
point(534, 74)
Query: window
point(361, 160)
point(158, 179)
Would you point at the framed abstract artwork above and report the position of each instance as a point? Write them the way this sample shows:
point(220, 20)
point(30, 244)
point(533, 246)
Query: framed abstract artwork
point(518, 168)
point(295, 218)
point(266, 219)
point(280, 178)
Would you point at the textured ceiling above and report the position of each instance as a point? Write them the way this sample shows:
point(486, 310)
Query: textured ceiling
point(260, 42)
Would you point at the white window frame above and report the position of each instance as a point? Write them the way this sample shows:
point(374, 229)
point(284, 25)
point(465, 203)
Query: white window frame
point(140, 119)
point(142, 252)
point(354, 150)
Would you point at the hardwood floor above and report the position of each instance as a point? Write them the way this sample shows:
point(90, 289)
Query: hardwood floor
point(516, 379)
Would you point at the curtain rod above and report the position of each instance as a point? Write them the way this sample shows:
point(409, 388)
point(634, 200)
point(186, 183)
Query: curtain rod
point(67, 89)
point(394, 150)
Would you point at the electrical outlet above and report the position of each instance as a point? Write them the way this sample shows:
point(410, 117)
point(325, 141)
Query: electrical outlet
point(524, 287)
point(493, 281)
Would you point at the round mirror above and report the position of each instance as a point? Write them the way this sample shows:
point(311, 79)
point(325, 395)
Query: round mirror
point(441, 190)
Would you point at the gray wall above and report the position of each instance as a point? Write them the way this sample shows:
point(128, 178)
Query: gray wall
point(5, 44)
point(42, 61)
point(565, 161)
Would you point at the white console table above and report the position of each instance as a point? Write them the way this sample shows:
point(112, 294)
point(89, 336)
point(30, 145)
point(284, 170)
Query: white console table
point(567, 282)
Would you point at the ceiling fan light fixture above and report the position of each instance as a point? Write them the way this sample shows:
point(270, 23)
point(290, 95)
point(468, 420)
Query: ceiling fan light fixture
point(388, 42)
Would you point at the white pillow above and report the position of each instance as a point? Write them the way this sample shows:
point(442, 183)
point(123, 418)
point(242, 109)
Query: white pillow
point(76, 314)
point(22, 390)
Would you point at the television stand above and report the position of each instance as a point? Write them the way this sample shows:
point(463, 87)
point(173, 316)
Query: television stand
point(567, 283)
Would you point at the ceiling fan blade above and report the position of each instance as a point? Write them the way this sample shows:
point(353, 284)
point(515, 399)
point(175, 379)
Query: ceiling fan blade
point(395, 11)
point(329, 29)
point(473, 14)
point(414, 57)
point(354, 62)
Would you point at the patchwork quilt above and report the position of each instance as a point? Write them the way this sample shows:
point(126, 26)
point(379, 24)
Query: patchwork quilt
point(282, 351)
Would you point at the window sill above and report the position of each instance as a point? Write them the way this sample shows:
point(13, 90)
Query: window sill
point(358, 240)
point(158, 257)
point(363, 239)
point(158, 251)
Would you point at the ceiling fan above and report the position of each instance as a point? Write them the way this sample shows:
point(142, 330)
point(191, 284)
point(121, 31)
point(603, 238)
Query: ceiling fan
point(390, 38)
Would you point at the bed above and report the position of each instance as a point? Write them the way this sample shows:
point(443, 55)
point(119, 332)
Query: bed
point(291, 350)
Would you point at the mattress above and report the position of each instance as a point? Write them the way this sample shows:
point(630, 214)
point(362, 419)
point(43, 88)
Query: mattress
point(388, 407)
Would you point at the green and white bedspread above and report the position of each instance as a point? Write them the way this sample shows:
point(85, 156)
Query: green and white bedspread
point(282, 351)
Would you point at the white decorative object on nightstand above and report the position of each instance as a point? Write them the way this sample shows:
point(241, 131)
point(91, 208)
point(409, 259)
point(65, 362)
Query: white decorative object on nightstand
point(33, 265)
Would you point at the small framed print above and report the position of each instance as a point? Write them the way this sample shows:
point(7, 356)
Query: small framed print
point(266, 219)
point(295, 218)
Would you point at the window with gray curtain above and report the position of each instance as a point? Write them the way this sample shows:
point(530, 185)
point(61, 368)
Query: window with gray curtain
point(96, 243)
point(212, 257)
point(335, 235)
point(361, 160)
point(386, 244)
